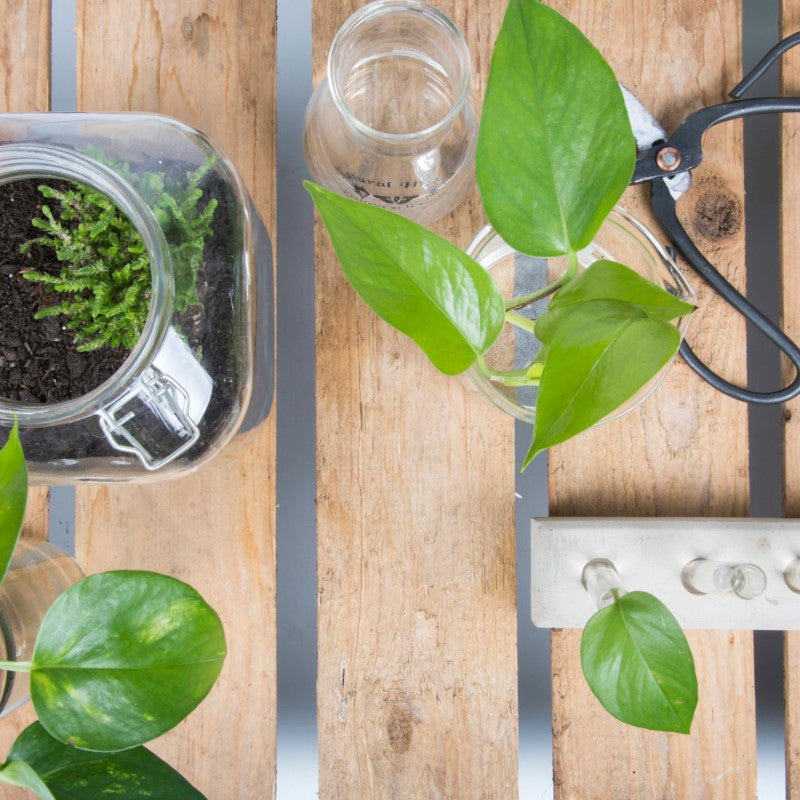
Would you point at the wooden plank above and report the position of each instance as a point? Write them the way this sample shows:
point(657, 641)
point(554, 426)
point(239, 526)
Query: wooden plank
point(685, 451)
point(790, 252)
point(417, 686)
point(25, 86)
point(210, 63)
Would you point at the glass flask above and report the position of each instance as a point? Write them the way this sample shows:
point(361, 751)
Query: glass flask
point(198, 374)
point(38, 573)
point(621, 238)
point(393, 124)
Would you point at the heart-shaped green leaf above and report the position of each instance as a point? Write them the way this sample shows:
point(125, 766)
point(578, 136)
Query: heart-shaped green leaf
point(415, 280)
point(608, 280)
point(638, 664)
point(18, 773)
point(13, 496)
point(121, 657)
point(555, 148)
point(580, 386)
point(72, 774)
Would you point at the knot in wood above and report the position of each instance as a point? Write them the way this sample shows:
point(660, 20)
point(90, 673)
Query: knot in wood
point(399, 730)
point(718, 214)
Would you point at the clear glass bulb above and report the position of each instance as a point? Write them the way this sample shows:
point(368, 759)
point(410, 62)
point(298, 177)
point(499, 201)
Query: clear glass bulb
point(706, 576)
point(601, 580)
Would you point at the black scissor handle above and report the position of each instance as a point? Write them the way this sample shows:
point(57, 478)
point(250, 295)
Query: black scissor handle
point(664, 209)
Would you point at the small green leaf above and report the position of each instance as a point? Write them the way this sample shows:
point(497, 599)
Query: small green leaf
point(580, 386)
point(608, 280)
point(555, 148)
point(638, 664)
point(13, 496)
point(415, 280)
point(121, 657)
point(72, 774)
point(18, 773)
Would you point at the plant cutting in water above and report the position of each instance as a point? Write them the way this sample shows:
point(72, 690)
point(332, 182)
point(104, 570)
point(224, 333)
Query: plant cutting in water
point(105, 277)
point(120, 658)
point(555, 153)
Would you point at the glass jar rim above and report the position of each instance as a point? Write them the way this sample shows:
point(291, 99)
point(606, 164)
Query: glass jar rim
point(26, 161)
point(430, 13)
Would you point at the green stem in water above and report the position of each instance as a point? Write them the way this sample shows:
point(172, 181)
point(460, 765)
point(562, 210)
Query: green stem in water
point(17, 666)
point(514, 303)
point(518, 321)
point(525, 376)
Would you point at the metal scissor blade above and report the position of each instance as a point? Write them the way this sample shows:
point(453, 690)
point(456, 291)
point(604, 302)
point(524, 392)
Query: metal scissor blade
point(648, 131)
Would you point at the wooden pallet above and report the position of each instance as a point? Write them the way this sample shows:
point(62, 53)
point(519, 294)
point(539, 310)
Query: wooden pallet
point(417, 689)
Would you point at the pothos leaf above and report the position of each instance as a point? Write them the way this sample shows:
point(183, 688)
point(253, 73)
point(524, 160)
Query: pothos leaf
point(580, 386)
point(608, 280)
point(608, 333)
point(121, 657)
point(13, 496)
point(72, 774)
point(638, 664)
point(555, 148)
point(18, 773)
point(415, 280)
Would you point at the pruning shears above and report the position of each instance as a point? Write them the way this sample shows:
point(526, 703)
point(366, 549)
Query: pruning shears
point(666, 162)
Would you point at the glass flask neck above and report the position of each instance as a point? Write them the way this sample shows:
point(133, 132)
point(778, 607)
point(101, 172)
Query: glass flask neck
point(399, 72)
point(33, 161)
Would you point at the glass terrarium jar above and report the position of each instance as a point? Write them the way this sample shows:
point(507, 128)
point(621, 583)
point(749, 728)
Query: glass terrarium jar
point(621, 238)
point(201, 368)
point(393, 125)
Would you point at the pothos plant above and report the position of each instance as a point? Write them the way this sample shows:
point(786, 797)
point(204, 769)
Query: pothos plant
point(120, 658)
point(555, 152)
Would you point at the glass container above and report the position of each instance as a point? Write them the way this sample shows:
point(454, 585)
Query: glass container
point(393, 124)
point(199, 373)
point(707, 576)
point(39, 572)
point(601, 581)
point(621, 238)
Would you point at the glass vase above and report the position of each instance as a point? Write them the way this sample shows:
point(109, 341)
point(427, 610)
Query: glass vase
point(393, 124)
point(39, 572)
point(621, 238)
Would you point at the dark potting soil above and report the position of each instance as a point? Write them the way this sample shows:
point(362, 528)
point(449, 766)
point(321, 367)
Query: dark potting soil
point(39, 362)
point(208, 329)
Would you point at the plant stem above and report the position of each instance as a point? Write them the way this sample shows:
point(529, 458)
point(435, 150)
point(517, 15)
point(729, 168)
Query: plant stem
point(520, 322)
point(512, 377)
point(515, 303)
point(17, 666)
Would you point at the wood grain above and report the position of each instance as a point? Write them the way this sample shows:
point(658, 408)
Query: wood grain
point(25, 86)
point(684, 452)
point(790, 253)
point(417, 686)
point(210, 63)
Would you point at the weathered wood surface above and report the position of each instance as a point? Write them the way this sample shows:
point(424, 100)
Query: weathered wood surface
point(210, 63)
point(25, 86)
point(417, 687)
point(790, 253)
point(685, 451)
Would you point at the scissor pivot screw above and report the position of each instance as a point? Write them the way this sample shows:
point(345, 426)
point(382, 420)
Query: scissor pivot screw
point(668, 158)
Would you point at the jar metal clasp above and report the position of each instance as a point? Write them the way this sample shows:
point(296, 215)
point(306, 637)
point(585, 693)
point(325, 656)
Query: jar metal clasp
point(151, 420)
